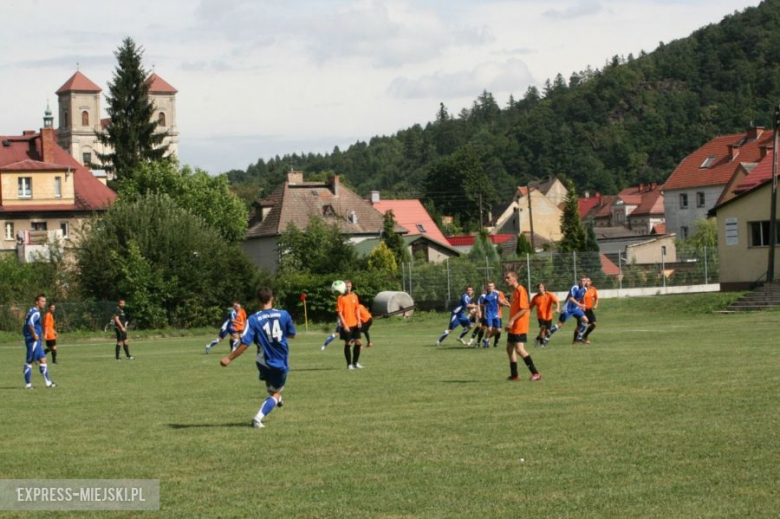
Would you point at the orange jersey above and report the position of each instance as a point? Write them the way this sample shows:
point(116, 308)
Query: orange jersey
point(544, 305)
point(48, 327)
point(240, 321)
point(519, 302)
point(365, 315)
point(348, 309)
point(590, 297)
point(501, 299)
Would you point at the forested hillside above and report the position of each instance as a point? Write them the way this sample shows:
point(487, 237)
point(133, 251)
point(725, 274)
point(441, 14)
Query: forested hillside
point(631, 121)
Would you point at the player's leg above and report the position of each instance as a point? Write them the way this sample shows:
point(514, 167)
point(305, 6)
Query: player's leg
point(28, 362)
point(466, 330)
point(497, 334)
point(118, 343)
point(126, 345)
point(222, 335)
point(366, 328)
point(510, 352)
point(274, 384)
point(561, 321)
point(450, 327)
point(520, 345)
point(591, 326)
point(51, 347)
point(40, 357)
point(582, 326)
point(356, 348)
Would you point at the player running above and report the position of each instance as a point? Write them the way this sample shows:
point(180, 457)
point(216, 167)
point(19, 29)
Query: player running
point(332, 336)
point(50, 333)
point(591, 300)
point(459, 316)
point(574, 308)
point(517, 329)
point(543, 301)
point(33, 338)
point(233, 326)
point(269, 329)
point(481, 327)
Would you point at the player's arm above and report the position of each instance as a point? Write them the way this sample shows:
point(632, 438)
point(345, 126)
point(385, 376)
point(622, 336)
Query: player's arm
point(234, 354)
point(516, 316)
point(595, 299)
point(503, 302)
point(31, 327)
point(357, 316)
point(118, 322)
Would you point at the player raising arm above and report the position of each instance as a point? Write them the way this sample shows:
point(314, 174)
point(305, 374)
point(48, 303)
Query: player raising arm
point(269, 329)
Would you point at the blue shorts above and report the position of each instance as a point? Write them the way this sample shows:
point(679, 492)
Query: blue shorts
point(575, 312)
point(459, 320)
point(493, 322)
point(273, 378)
point(34, 350)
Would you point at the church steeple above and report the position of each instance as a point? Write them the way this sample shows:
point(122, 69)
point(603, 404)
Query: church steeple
point(48, 119)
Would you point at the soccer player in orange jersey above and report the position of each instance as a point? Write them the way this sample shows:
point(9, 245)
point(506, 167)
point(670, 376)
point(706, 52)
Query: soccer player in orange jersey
point(366, 320)
point(517, 328)
point(591, 301)
point(50, 333)
point(543, 301)
point(349, 316)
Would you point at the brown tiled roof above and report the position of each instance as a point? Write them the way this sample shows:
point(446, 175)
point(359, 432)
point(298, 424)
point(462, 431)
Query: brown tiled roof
point(158, 85)
point(78, 82)
point(296, 203)
point(652, 203)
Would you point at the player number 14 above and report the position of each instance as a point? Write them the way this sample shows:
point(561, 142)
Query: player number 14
point(275, 333)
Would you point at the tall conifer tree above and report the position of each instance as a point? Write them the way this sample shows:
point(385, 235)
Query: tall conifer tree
point(131, 133)
point(574, 237)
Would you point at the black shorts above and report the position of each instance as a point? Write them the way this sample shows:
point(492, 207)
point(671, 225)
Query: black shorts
point(120, 335)
point(590, 315)
point(352, 334)
point(513, 338)
point(367, 325)
point(545, 324)
point(50, 343)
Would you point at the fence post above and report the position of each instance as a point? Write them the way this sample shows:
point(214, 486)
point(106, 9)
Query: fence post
point(411, 282)
point(706, 278)
point(663, 268)
point(403, 276)
point(620, 270)
point(574, 262)
point(528, 268)
point(449, 284)
point(487, 270)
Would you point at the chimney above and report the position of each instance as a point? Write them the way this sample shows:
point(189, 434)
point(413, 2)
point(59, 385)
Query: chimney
point(586, 195)
point(763, 150)
point(47, 145)
point(374, 197)
point(653, 185)
point(641, 187)
point(295, 177)
point(335, 185)
point(28, 133)
point(733, 151)
point(754, 132)
point(598, 195)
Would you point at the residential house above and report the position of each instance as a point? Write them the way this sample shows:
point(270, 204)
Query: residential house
point(433, 251)
point(530, 210)
point(743, 231)
point(44, 192)
point(701, 178)
point(423, 236)
point(552, 188)
point(295, 202)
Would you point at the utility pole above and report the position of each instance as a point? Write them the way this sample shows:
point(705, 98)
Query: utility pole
point(531, 218)
point(770, 272)
point(481, 220)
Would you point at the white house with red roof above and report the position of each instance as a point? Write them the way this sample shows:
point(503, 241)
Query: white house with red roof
point(80, 116)
point(530, 209)
point(699, 181)
point(44, 192)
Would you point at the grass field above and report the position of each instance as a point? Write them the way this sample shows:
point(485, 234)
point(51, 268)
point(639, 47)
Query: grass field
point(671, 412)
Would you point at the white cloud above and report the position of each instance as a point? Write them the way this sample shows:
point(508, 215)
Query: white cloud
point(577, 10)
point(510, 76)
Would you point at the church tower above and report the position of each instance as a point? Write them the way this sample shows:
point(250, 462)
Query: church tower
point(79, 118)
point(163, 96)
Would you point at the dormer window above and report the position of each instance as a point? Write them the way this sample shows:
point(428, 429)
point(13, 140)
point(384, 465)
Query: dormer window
point(327, 210)
point(421, 227)
point(708, 162)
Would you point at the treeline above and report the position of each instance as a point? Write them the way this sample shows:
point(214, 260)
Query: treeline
point(605, 129)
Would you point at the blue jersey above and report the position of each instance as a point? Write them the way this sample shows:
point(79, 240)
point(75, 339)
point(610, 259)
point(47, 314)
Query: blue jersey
point(463, 305)
point(577, 293)
point(33, 319)
point(491, 305)
point(269, 329)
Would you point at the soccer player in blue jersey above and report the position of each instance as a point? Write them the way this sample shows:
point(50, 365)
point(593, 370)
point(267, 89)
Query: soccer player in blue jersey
point(333, 335)
point(234, 321)
point(575, 307)
point(460, 316)
point(481, 327)
point(33, 339)
point(269, 329)
point(492, 300)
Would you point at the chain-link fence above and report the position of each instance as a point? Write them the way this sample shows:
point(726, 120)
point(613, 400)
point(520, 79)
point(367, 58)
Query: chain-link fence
point(438, 286)
point(69, 316)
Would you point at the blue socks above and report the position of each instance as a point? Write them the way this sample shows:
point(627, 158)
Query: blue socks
point(28, 374)
point(443, 336)
point(330, 339)
point(45, 372)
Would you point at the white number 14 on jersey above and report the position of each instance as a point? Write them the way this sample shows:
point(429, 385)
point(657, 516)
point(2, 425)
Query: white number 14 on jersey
point(274, 334)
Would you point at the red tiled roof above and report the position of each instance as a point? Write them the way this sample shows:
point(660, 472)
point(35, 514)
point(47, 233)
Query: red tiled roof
point(158, 85)
point(652, 203)
point(585, 205)
point(659, 228)
point(409, 214)
point(33, 165)
point(465, 241)
point(690, 173)
point(608, 267)
point(605, 211)
point(91, 194)
point(80, 83)
point(760, 173)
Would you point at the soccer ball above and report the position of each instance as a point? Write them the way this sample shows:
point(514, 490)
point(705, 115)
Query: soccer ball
point(339, 286)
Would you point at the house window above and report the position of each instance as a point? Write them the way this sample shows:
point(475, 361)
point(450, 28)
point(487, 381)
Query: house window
point(86, 158)
point(759, 234)
point(65, 227)
point(421, 227)
point(683, 232)
point(708, 161)
point(84, 118)
point(161, 119)
point(683, 201)
point(39, 226)
point(8, 230)
point(58, 187)
point(700, 199)
point(24, 185)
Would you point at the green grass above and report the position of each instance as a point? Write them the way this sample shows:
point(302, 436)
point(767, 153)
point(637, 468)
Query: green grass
point(671, 412)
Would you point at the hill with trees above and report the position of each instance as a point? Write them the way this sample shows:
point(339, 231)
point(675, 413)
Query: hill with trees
point(604, 129)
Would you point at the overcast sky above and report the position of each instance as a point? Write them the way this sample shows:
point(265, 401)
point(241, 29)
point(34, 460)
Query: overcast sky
point(259, 78)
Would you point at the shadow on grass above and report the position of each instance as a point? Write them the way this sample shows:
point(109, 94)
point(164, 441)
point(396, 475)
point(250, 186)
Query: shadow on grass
point(460, 381)
point(245, 424)
point(314, 369)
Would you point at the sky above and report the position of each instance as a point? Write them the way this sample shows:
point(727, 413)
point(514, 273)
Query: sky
point(261, 78)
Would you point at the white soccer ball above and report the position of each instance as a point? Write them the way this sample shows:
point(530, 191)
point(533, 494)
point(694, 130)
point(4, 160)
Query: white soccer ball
point(339, 286)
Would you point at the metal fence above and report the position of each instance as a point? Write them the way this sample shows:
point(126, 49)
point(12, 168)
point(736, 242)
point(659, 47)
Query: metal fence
point(69, 316)
point(438, 286)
